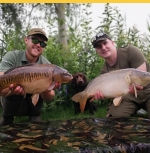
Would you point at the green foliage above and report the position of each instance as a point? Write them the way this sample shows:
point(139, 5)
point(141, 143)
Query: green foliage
point(10, 27)
point(62, 98)
point(10, 15)
point(68, 113)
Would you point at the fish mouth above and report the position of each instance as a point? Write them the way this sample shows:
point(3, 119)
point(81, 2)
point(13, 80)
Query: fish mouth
point(69, 78)
point(67, 75)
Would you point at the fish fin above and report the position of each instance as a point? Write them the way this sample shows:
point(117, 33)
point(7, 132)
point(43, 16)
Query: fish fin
point(117, 101)
point(52, 85)
point(35, 99)
point(24, 95)
point(8, 93)
point(135, 91)
point(11, 91)
point(92, 99)
point(81, 98)
point(82, 105)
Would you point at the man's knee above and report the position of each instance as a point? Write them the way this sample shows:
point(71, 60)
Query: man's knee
point(115, 114)
point(117, 111)
point(127, 108)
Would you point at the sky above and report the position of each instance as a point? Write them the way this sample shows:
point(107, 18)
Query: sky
point(135, 13)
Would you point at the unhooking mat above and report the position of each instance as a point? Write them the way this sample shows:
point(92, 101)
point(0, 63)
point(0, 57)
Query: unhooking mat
point(89, 135)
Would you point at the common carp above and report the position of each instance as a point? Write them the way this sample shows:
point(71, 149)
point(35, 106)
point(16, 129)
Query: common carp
point(35, 78)
point(114, 84)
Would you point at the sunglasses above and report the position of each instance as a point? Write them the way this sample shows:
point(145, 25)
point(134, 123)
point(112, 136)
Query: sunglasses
point(36, 41)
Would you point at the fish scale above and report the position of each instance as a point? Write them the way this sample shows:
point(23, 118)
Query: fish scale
point(114, 84)
point(35, 78)
point(6, 79)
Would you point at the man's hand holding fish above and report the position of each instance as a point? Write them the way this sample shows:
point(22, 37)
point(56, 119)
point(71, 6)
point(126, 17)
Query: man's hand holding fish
point(119, 59)
point(98, 95)
point(132, 90)
point(48, 95)
point(11, 90)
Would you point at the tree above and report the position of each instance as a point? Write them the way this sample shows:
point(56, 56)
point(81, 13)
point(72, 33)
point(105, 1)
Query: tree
point(10, 26)
point(62, 34)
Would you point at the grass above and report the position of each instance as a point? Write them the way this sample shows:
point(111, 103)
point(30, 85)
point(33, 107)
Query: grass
point(63, 114)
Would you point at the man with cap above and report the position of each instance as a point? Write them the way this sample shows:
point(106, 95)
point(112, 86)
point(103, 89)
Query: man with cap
point(15, 104)
point(121, 58)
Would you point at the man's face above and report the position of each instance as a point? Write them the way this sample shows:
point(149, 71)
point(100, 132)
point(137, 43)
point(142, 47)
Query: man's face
point(105, 48)
point(34, 45)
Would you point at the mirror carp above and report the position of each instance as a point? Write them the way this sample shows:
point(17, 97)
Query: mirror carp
point(114, 84)
point(34, 78)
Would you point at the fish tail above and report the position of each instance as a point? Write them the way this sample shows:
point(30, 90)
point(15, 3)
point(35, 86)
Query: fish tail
point(81, 98)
